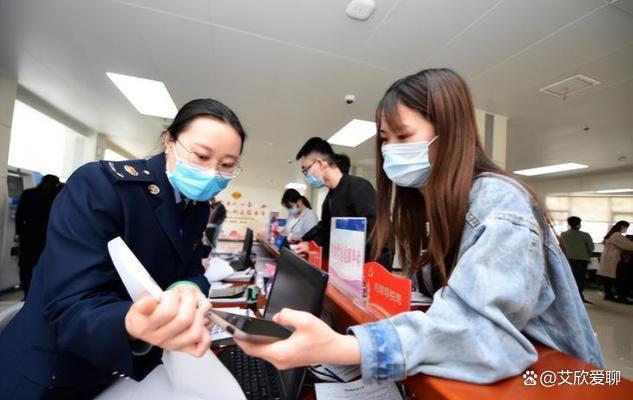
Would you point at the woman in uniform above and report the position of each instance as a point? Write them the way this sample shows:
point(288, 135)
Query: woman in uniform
point(78, 330)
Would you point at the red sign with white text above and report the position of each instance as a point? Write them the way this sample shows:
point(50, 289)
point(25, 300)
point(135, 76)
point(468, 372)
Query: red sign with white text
point(385, 291)
point(315, 254)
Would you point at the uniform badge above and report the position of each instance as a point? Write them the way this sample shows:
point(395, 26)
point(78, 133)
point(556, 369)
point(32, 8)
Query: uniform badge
point(153, 189)
point(130, 170)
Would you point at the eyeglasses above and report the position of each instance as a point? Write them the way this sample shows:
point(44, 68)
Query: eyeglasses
point(305, 170)
point(225, 169)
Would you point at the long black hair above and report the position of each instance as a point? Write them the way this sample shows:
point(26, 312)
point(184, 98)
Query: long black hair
point(292, 196)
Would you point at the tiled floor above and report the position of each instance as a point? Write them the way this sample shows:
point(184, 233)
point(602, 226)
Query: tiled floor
point(614, 324)
point(612, 321)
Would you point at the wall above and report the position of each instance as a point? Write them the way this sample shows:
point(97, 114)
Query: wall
point(248, 207)
point(8, 91)
point(617, 179)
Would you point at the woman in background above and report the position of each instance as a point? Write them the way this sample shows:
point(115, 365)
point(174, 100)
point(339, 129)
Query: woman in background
point(614, 244)
point(301, 217)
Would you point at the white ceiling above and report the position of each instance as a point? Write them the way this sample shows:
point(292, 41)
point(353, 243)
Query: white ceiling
point(285, 65)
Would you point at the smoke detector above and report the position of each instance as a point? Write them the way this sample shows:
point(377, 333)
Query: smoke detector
point(568, 86)
point(360, 9)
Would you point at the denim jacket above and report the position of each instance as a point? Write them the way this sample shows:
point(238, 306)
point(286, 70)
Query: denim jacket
point(500, 296)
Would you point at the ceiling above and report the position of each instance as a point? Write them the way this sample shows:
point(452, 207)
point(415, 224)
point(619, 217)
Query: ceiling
point(285, 65)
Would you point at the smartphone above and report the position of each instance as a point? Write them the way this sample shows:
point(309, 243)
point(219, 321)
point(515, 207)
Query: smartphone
point(249, 329)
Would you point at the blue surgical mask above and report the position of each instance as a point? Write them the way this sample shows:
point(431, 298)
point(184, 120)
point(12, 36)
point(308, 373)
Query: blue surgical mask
point(293, 211)
point(314, 181)
point(407, 164)
point(194, 182)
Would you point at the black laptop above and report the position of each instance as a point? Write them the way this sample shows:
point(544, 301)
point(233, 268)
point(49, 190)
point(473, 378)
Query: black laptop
point(299, 285)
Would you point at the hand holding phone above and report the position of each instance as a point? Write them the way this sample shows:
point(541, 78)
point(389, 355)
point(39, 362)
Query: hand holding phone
point(249, 329)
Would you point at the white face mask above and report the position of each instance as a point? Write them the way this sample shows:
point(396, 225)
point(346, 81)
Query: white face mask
point(407, 164)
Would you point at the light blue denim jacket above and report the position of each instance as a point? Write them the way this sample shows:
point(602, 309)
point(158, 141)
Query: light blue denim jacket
point(500, 295)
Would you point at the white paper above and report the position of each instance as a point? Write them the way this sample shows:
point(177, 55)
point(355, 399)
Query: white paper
point(218, 270)
point(204, 377)
point(133, 274)
point(155, 386)
point(357, 390)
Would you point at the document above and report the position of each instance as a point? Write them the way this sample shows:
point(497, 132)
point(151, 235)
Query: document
point(133, 274)
point(218, 269)
point(357, 390)
point(204, 377)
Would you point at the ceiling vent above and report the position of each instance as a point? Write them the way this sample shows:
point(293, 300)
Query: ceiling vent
point(569, 86)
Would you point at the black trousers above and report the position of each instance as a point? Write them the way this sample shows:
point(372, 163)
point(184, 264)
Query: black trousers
point(579, 269)
point(620, 283)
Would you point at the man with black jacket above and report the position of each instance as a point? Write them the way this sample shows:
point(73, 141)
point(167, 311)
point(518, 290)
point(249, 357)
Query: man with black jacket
point(348, 196)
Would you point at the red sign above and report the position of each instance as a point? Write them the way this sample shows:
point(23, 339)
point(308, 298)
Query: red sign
point(315, 254)
point(387, 292)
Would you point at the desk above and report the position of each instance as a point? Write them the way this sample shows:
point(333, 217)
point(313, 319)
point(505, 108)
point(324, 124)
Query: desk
point(345, 313)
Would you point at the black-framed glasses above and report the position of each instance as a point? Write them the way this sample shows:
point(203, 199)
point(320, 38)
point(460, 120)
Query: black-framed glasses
point(305, 170)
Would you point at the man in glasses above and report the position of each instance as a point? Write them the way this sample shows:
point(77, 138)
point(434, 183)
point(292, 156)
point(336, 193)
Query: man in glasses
point(348, 195)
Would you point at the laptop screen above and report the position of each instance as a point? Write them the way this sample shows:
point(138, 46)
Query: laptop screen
point(301, 286)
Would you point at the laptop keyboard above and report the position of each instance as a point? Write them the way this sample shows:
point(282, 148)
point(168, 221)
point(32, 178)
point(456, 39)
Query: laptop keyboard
point(258, 379)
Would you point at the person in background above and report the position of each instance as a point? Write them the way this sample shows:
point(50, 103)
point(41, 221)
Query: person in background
point(31, 220)
point(217, 217)
point(343, 163)
point(301, 217)
point(348, 195)
point(499, 279)
point(579, 248)
point(614, 244)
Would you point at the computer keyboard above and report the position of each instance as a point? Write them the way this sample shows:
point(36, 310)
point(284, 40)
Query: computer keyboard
point(258, 379)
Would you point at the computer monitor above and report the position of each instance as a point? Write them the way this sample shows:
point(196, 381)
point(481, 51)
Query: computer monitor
point(299, 285)
point(248, 247)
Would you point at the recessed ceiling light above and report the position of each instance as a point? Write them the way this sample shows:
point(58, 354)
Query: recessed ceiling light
point(354, 133)
point(613, 191)
point(149, 97)
point(550, 169)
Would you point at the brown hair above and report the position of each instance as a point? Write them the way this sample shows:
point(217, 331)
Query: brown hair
point(442, 97)
point(617, 227)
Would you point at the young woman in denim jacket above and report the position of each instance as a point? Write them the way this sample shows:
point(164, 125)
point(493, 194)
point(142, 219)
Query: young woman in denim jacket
point(497, 274)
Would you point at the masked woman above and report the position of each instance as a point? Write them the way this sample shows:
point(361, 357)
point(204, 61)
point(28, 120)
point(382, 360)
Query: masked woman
point(78, 330)
point(473, 237)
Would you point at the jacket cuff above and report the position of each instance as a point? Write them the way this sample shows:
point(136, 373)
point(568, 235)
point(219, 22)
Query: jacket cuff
point(140, 348)
point(382, 355)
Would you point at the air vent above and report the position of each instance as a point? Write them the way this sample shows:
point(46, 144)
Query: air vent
point(569, 86)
